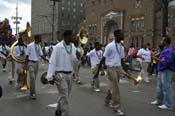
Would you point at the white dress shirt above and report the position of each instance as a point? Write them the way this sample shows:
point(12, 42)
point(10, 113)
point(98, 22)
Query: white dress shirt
point(113, 53)
point(60, 60)
point(95, 57)
point(146, 54)
point(34, 51)
point(7, 49)
point(19, 49)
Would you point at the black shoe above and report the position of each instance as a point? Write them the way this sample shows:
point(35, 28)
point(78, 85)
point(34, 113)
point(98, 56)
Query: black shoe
point(79, 82)
point(58, 113)
point(33, 96)
point(109, 104)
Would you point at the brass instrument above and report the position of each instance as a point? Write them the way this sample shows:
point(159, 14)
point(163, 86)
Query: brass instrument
point(82, 38)
point(156, 58)
point(21, 59)
point(130, 77)
point(137, 79)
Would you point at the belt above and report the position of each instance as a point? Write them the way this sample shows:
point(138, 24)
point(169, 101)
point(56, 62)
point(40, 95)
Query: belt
point(64, 72)
point(33, 61)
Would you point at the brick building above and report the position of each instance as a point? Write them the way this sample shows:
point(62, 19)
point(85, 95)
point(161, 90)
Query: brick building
point(141, 20)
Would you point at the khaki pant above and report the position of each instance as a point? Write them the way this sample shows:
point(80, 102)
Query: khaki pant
point(33, 71)
point(144, 72)
point(64, 86)
point(11, 69)
point(76, 68)
point(96, 81)
point(114, 78)
point(20, 72)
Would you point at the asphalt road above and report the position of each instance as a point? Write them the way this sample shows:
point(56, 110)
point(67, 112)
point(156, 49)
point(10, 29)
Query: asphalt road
point(135, 101)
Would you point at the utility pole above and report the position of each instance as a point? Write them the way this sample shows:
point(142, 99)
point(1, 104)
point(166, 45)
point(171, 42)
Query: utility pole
point(165, 17)
point(16, 18)
point(53, 19)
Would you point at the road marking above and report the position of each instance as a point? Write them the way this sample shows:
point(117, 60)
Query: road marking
point(43, 87)
point(123, 81)
point(89, 85)
point(52, 105)
point(136, 91)
point(53, 91)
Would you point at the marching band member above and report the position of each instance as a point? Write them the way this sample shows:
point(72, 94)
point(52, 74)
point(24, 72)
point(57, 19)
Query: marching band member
point(33, 53)
point(61, 64)
point(144, 55)
point(95, 56)
point(113, 55)
point(77, 64)
point(4, 54)
point(20, 51)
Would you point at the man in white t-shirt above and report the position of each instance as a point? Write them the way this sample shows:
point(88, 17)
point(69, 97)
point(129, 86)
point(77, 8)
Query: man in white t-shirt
point(144, 55)
point(95, 56)
point(113, 55)
point(4, 54)
point(77, 64)
point(33, 53)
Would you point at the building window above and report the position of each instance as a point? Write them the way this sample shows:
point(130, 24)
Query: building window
point(74, 17)
point(74, 3)
point(137, 24)
point(68, 2)
point(93, 3)
point(74, 10)
point(81, 4)
point(68, 9)
point(62, 8)
point(68, 16)
point(62, 1)
point(62, 14)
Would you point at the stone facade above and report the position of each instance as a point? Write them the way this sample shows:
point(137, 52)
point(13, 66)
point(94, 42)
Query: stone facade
point(139, 19)
point(42, 19)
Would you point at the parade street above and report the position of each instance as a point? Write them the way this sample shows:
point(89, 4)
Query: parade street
point(84, 102)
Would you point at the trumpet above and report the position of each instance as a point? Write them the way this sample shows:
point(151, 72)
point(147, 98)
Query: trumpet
point(136, 80)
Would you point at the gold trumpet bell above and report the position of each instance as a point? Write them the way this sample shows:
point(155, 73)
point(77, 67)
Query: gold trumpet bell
point(24, 88)
point(138, 80)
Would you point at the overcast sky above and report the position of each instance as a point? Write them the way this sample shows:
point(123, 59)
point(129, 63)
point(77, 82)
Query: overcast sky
point(7, 10)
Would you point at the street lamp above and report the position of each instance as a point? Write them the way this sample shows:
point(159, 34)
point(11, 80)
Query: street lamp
point(16, 18)
point(53, 18)
point(165, 16)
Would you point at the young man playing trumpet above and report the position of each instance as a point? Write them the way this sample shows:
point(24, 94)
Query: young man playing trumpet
point(95, 56)
point(113, 55)
point(61, 67)
point(77, 64)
